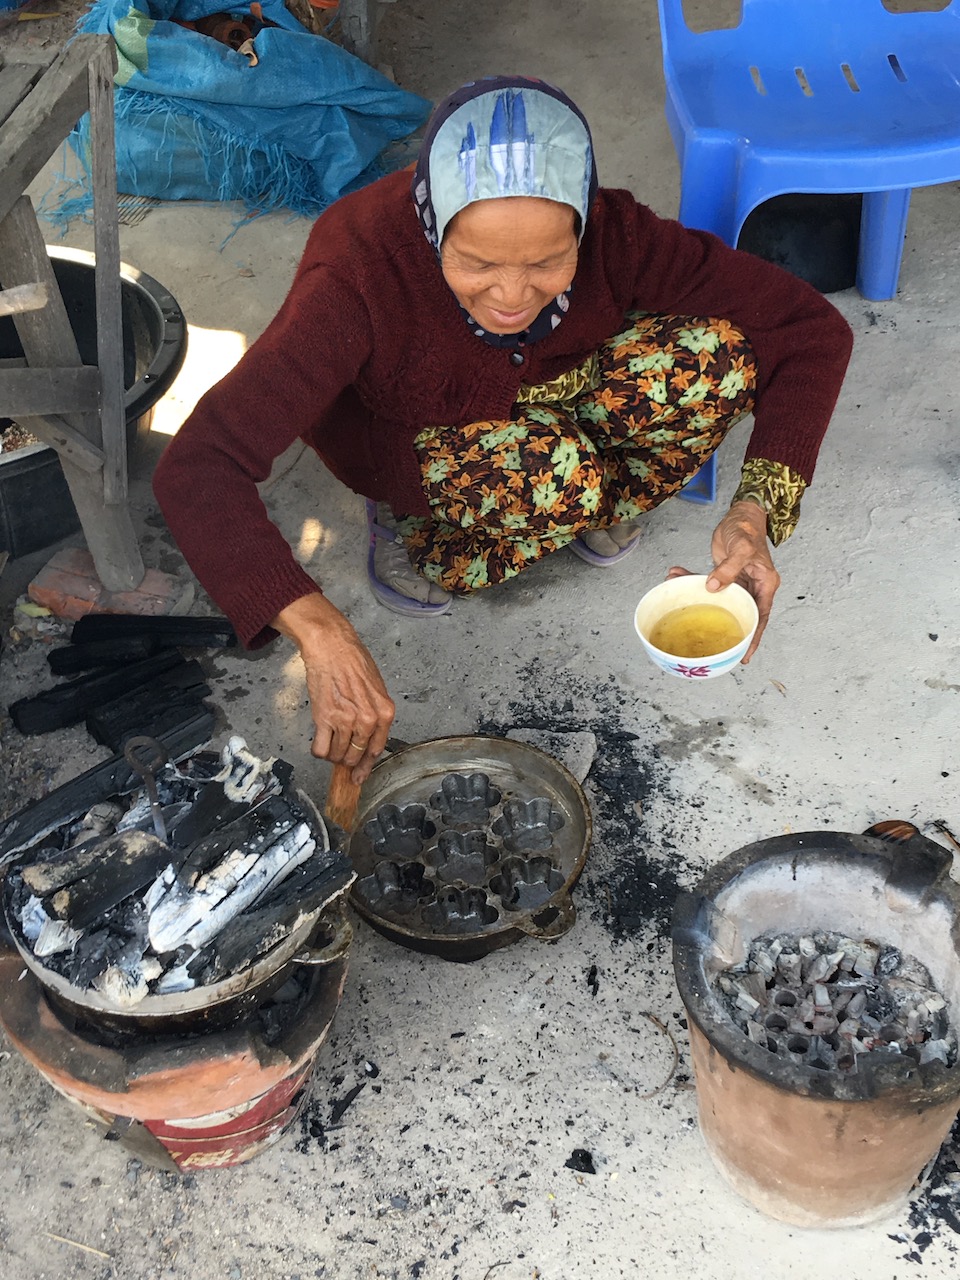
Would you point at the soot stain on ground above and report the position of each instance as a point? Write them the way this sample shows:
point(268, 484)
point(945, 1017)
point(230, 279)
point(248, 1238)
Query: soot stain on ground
point(634, 871)
point(935, 1210)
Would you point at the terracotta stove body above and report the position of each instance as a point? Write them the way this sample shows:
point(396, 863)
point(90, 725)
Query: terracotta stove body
point(812, 1147)
point(178, 1102)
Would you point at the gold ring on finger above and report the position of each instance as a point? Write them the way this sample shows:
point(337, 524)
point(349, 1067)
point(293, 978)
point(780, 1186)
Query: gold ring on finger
point(358, 746)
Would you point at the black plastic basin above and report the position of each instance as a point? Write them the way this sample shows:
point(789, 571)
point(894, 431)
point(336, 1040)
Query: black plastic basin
point(35, 504)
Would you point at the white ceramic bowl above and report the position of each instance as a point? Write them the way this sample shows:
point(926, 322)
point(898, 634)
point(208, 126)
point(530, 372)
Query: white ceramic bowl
point(675, 593)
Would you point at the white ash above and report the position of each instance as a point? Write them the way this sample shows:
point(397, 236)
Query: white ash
point(823, 1000)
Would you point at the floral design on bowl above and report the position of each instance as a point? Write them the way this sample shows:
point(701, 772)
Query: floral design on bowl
point(526, 883)
point(397, 886)
point(528, 825)
point(465, 797)
point(460, 911)
point(398, 832)
point(464, 856)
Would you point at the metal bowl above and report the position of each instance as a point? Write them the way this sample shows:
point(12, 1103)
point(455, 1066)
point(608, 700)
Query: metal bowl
point(464, 845)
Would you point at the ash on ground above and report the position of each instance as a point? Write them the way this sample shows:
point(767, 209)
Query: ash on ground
point(823, 1000)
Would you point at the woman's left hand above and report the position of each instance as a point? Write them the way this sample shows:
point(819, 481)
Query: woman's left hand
point(741, 554)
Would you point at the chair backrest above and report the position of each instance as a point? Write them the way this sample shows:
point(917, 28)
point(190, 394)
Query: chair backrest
point(776, 24)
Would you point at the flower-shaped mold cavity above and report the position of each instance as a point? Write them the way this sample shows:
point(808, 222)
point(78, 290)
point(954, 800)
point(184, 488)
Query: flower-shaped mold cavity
point(526, 883)
point(465, 797)
point(528, 825)
point(396, 887)
point(460, 911)
point(398, 832)
point(463, 855)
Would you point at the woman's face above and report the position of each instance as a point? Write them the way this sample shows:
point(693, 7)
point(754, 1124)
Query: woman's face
point(506, 259)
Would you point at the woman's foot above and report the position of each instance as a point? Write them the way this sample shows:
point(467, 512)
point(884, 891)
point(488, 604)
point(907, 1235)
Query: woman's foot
point(603, 547)
point(392, 577)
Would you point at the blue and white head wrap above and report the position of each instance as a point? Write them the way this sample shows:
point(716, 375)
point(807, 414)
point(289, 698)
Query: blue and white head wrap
point(505, 136)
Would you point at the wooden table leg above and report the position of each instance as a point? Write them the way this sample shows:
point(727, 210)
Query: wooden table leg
point(48, 342)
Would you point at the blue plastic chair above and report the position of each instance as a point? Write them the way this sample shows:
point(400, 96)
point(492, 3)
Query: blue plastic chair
point(815, 96)
point(702, 485)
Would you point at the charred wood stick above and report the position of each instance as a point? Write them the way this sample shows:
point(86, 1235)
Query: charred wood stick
point(187, 633)
point(157, 725)
point(259, 929)
point(128, 862)
point(111, 778)
point(67, 704)
point(139, 710)
point(101, 653)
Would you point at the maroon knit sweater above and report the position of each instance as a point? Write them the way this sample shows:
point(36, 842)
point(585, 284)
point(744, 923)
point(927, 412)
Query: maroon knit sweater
point(370, 347)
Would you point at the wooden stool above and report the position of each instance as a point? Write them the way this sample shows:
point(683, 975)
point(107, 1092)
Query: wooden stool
point(77, 409)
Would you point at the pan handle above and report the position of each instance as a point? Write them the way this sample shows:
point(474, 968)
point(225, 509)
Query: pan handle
point(919, 866)
point(560, 923)
point(332, 952)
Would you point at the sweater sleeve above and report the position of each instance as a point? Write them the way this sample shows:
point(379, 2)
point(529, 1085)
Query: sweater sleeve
point(206, 481)
point(801, 342)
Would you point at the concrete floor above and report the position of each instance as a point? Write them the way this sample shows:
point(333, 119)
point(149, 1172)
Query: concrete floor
point(490, 1075)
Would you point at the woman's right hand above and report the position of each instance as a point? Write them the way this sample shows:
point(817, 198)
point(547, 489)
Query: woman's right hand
point(352, 711)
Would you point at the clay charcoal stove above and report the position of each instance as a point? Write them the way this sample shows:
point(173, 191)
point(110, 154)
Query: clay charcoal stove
point(824, 1000)
point(203, 884)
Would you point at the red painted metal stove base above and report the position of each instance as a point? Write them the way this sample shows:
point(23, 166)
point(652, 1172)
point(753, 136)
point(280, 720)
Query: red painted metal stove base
point(180, 1103)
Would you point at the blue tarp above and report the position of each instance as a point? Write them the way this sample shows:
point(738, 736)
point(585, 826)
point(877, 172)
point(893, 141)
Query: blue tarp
point(196, 121)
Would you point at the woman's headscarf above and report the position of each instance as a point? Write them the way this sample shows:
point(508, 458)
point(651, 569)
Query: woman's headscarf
point(505, 136)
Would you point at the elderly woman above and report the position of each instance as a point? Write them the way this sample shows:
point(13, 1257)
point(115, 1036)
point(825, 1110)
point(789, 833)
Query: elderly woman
point(504, 360)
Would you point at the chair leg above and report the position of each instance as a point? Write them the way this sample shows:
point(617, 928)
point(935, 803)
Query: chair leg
point(883, 225)
point(702, 487)
point(708, 191)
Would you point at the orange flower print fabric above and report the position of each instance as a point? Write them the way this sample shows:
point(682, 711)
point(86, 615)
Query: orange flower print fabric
point(504, 494)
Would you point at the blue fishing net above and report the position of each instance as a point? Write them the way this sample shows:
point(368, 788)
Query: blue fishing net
point(195, 120)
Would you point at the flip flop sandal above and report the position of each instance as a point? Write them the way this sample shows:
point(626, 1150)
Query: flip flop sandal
point(387, 595)
point(580, 548)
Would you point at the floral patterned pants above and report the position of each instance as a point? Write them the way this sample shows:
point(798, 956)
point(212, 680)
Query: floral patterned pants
point(664, 393)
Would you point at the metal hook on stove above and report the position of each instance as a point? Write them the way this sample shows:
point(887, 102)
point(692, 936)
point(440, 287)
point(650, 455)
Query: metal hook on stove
point(146, 756)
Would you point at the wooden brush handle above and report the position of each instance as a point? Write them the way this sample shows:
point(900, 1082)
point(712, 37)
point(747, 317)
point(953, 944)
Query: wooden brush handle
point(343, 796)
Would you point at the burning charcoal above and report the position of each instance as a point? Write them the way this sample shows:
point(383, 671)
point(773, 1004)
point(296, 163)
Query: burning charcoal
point(754, 985)
point(757, 1033)
point(835, 999)
point(857, 1004)
point(125, 864)
point(123, 987)
point(823, 967)
point(174, 980)
point(822, 1056)
point(93, 953)
point(805, 1010)
point(101, 820)
point(54, 937)
point(32, 918)
point(865, 958)
point(746, 1002)
point(195, 913)
point(765, 964)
